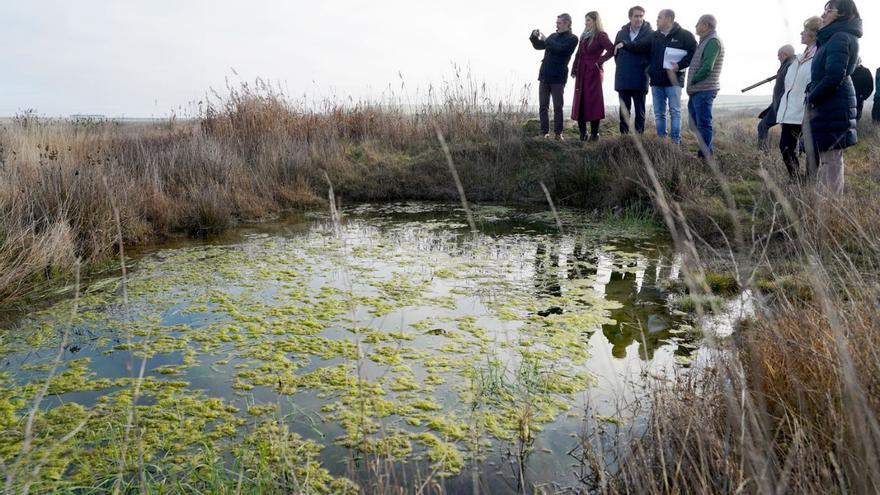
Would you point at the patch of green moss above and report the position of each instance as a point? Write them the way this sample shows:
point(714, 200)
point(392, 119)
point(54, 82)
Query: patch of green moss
point(722, 284)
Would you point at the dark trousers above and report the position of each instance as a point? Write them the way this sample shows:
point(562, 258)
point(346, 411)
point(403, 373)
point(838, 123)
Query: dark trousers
point(634, 104)
point(860, 105)
point(875, 112)
point(545, 91)
point(764, 126)
point(793, 142)
point(594, 128)
point(789, 145)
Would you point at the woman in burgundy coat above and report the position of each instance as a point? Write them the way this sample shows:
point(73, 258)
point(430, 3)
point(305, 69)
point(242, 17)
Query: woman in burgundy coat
point(594, 50)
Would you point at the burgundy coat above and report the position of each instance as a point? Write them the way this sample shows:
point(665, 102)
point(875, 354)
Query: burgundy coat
point(589, 104)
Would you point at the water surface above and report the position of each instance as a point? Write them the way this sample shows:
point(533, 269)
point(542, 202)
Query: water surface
point(394, 348)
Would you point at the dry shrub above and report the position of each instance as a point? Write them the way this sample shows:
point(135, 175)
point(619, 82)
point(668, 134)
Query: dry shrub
point(249, 155)
point(791, 404)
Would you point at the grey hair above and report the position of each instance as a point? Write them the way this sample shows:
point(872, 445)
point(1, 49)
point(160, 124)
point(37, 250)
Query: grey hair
point(668, 13)
point(709, 20)
point(788, 50)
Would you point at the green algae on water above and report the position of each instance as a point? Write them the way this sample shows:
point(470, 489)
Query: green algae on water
point(425, 346)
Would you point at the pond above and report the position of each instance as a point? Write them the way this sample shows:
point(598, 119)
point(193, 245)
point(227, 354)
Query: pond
point(395, 348)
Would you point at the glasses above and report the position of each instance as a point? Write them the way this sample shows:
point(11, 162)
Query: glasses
point(830, 10)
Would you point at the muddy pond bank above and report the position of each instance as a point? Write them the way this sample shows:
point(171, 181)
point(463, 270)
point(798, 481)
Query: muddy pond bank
point(395, 349)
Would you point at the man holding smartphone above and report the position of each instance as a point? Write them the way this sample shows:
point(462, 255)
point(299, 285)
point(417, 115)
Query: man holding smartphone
point(558, 49)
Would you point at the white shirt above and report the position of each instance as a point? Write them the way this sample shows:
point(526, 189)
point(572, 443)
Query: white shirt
point(634, 34)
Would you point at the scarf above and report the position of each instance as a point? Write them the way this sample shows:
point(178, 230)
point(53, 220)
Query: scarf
point(587, 34)
point(808, 54)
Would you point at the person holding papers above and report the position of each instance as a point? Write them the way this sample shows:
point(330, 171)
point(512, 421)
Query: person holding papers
point(670, 49)
point(704, 82)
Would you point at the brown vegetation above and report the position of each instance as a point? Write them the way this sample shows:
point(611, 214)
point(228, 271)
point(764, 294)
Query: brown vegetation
point(256, 154)
point(791, 405)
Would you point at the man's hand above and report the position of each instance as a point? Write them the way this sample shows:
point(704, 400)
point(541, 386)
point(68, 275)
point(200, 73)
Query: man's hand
point(674, 67)
point(541, 36)
point(617, 48)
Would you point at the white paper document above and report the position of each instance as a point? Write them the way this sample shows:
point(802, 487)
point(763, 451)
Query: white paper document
point(673, 56)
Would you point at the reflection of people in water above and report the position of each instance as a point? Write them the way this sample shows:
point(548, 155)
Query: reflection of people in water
point(582, 263)
point(621, 335)
point(547, 270)
point(635, 321)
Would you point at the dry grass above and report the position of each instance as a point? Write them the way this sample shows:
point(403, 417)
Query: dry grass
point(790, 406)
point(254, 154)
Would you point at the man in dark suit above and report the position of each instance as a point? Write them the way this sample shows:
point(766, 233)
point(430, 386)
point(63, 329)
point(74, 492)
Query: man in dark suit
point(558, 49)
point(631, 78)
point(668, 43)
point(768, 117)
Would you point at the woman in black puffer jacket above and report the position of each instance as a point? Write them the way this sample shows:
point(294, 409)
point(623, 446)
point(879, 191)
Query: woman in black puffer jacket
point(831, 98)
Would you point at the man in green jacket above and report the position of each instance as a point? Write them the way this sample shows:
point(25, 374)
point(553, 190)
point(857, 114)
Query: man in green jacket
point(704, 82)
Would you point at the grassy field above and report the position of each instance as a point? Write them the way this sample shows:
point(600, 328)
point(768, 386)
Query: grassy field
point(256, 154)
point(791, 405)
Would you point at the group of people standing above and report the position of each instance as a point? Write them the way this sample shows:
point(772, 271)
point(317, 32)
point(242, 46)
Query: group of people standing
point(819, 95)
point(815, 99)
point(646, 59)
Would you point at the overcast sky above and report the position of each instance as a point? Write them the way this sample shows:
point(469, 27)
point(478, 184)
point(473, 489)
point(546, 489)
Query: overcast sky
point(144, 58)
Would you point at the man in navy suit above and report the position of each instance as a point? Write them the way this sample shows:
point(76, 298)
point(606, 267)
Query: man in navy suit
point(631, 78)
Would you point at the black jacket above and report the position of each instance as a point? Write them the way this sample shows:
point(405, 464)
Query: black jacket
point(875, 112)
point(769, 114)
point(655, 46)
point(831, 96)
point(558, 49)
point(877, 85)
point(863, 82)
point(632, 67)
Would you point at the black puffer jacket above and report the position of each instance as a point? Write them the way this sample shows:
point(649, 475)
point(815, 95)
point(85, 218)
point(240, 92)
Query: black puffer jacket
point(831, 97)
point(558, 49)
point(656, 45)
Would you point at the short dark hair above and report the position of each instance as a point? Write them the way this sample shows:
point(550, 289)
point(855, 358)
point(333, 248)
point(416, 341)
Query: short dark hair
point(668, 13)
point(634, 9)
point(565, 17)
point(845, 8)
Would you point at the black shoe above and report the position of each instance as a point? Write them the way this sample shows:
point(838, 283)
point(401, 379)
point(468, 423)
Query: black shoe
point(594, 138)
point(583, 137)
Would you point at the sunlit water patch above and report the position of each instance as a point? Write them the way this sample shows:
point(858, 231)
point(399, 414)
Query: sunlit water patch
point(397, 349)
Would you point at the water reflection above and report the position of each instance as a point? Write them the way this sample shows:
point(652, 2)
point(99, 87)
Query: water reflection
point(516, 252)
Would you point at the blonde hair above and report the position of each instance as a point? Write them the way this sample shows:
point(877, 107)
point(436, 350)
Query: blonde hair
point(597, 25)
point(813, 24)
